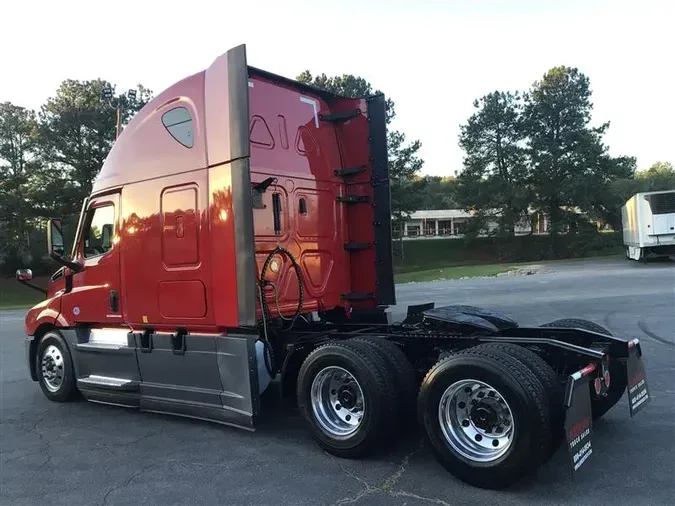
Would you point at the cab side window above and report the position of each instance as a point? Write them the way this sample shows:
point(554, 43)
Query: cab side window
point(98, 235)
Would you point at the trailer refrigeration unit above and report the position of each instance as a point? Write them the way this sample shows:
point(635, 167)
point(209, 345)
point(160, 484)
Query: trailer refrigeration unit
point(238, 233)
point(649, 225)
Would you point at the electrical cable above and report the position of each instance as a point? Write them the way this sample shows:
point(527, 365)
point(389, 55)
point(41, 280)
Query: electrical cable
point(268, 354)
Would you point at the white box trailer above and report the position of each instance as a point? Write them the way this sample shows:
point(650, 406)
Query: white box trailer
point(649, 225)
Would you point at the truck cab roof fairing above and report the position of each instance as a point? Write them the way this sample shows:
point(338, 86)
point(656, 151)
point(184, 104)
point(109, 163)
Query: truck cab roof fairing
point(146, 149)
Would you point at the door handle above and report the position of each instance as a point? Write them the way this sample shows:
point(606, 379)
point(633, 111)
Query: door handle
point(114, 301)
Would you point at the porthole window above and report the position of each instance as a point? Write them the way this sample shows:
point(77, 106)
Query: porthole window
point(178, 123)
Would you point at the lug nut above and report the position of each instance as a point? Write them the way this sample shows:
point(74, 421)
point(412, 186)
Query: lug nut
point(499, 430)
point(481, 394)
point(338, 407)
point(478, 437)
point(491, 393)
point(461, 405)
point(495, 442)
point(465, 423)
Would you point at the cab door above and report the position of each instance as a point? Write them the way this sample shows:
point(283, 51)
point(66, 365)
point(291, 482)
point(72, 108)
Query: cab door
point(95, 294)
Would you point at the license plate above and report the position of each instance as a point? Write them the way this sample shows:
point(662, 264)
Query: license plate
point(638, 391)
point(579, 425)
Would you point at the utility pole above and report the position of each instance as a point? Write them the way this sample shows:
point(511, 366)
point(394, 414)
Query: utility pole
point(107, 96)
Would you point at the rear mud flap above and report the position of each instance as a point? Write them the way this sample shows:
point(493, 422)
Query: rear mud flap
point(579, 415)
point(579, 418)
point(638, 391)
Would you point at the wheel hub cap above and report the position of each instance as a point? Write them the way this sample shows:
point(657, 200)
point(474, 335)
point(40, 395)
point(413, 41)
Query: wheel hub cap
point(338, 403)
point(52, 368)
point(476, 420)
point(347, 397)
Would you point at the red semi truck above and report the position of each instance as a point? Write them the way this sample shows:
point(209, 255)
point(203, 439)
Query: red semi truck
point(238, 233)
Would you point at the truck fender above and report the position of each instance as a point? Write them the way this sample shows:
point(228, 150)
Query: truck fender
point(47, 312)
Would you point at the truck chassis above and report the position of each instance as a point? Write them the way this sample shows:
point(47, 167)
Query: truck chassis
point(494, 400)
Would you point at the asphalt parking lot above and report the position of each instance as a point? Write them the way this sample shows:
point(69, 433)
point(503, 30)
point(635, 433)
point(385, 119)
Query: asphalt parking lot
point(89, 454)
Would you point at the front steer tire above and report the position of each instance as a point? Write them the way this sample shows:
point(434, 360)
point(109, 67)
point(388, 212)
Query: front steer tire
point(617, 372)
point(524, 395)
point(380, 406)
point(54, 368)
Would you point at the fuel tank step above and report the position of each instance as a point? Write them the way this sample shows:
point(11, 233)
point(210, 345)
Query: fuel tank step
point(108, 382)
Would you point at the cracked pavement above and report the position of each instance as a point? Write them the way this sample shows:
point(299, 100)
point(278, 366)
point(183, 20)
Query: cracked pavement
point(90, 454)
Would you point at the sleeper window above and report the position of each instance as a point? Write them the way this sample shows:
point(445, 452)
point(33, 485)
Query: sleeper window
point(98, 236)
point(178, 123)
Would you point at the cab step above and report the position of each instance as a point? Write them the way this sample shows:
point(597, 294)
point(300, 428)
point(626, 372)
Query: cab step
point(108, 382)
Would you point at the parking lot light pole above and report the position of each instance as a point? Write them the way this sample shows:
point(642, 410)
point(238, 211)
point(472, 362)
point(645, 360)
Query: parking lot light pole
point(107, 96)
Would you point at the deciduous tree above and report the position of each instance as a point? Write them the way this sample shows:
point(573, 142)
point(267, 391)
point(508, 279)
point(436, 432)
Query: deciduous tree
point(404, 161)
point(18, 161)
point(570, 166)
point(493, 182)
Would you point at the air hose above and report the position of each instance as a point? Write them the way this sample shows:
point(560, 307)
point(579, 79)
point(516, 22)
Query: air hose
point(268, 352)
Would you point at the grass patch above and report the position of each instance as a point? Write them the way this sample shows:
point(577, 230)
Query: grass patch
point(14, 295)
point(454, 272)
point(415, 273)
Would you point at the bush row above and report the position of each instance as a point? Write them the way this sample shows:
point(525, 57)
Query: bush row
point(431, 253)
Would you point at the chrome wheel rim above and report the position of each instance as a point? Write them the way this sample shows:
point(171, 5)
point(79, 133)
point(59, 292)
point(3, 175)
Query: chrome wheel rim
point(476, 420)
point(338, 403)
point(52, 368)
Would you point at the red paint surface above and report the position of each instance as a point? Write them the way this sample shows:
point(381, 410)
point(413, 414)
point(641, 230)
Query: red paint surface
point(89, 300)
point(45, 312)
point(182, 299)
point(286, 144)
point(174, 256)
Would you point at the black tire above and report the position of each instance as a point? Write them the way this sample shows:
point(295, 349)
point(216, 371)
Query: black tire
point(529, 406)
point(376, 382)
point(404, 376)
point(617, 373)
point(552, 386)
point(53, 341)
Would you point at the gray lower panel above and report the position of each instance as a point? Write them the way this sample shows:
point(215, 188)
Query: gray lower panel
point(196, 410)
point(238, 369)
point(92, 357)
point(191, 375)
point(107, 396)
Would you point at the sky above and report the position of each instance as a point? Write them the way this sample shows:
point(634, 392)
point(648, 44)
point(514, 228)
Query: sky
point(433, 58)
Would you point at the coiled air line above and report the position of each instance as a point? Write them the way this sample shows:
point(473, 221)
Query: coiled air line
point(268, 351)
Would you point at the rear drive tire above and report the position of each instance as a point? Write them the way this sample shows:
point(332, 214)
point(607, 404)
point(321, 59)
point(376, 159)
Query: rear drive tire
point(403, 376)
point(54, 367)
point(617, 373)
point(346, 395)
point(549, 380)
point(515, 409)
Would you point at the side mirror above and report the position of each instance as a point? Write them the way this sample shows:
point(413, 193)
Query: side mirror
point(55, 245)
point(23, 275)
point(55, 239)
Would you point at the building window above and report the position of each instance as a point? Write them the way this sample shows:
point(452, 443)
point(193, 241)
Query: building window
point(413, 230)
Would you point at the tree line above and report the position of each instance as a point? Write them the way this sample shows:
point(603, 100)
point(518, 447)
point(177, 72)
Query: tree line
point(536, 151)
point(533, 150)
point(49, 158)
